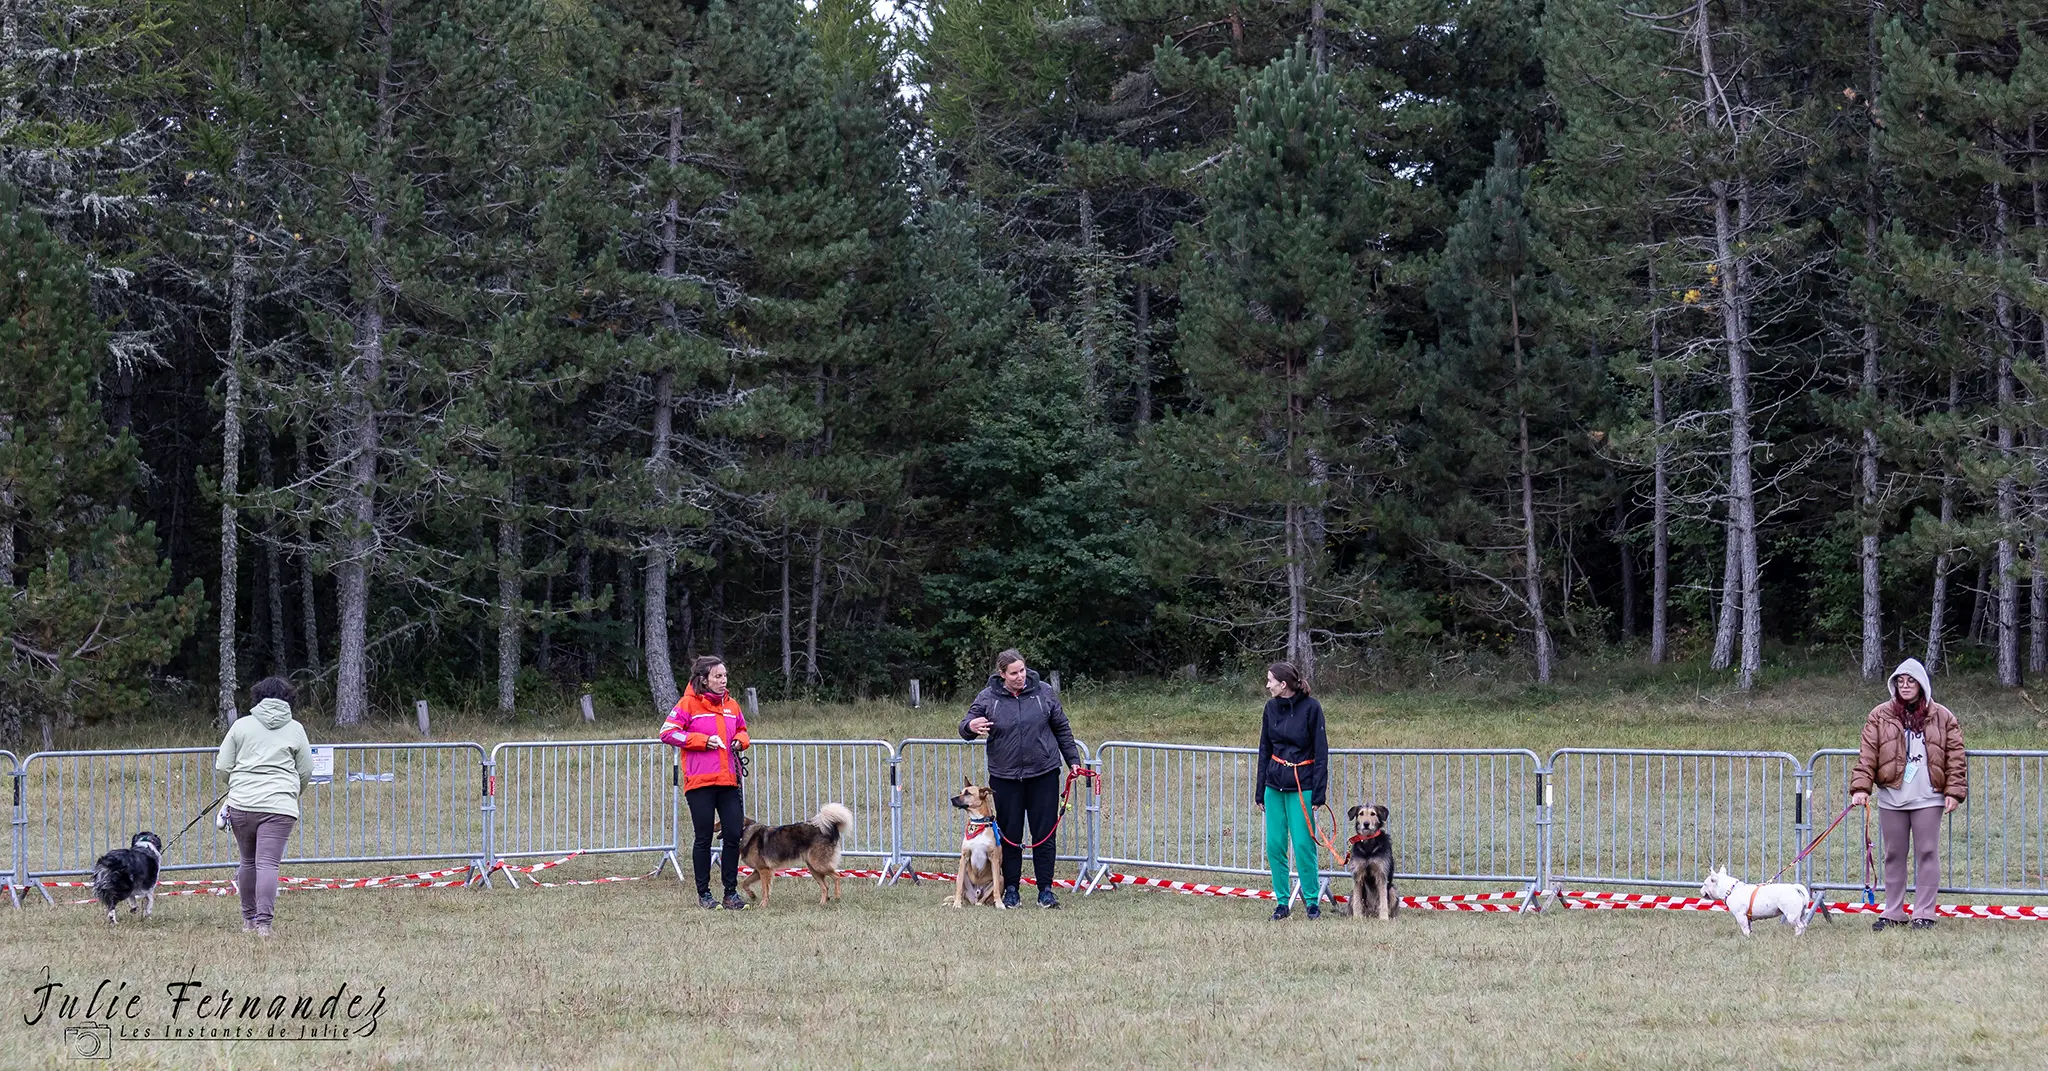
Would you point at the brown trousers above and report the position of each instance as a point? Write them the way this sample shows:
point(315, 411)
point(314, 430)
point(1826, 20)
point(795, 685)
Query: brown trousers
point(261, 837)
point(1925, 826)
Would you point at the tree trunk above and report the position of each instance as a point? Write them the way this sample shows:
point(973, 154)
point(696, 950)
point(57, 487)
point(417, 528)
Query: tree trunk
point(1980, 611)
point(1532, 562)
point(1629, 583)
point(510, 561)
point(359, 436)
point(352, 574)
point(811, 675)
point(1938, 614)
point(1660, 497)
point(309, 606)
point(2037, 602)
point(2008, 486)
point(273, 567)
point(718, 599)
point(239, 271)
point(687, 611)
point(544, 644)
point(661, 675)
point(1731, 600)
point(1318, 38)
point(1301, 649)
point(586, 592)
point(1873, 627)
point(787, 669)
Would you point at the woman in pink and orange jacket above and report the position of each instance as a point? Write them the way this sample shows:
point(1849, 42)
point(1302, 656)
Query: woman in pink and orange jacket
point(710, 731)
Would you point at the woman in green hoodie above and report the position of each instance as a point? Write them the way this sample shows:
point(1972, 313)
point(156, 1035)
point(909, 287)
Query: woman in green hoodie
point(268, 761)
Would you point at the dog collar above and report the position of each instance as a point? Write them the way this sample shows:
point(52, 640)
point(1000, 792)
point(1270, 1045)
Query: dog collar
point(1361, 838)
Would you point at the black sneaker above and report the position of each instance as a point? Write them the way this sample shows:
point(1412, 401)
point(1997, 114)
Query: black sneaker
point(1881, 924)
point(734, 902)
point(1047, 900)
point(1280, 913)
point(1010, 896)
point(1315, 911)
point(704, 900)
point(1923, 924)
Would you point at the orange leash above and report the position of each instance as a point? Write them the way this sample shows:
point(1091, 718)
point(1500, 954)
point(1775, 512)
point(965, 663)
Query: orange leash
point(1308, 817)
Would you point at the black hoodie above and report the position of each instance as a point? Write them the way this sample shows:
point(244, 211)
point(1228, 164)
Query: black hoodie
point(1292, 729)
point(1030, 733)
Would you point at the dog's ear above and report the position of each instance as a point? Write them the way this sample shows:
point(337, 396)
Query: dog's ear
point(1381, 810)
point(967, 782)
point(1351, 812)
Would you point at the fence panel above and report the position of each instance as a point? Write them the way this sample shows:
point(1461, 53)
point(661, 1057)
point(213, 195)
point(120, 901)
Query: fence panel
point(79, 804)
point(10, 767)
point(1185, 807)
point(593, 796)
point(392, 802)
point(787, 780)
point(1996, 843)
point(1664, 818)
point(1455, 814)
point(932, 770)
point(381, 803)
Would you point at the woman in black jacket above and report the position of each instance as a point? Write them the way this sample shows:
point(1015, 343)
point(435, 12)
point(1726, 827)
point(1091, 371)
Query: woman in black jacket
point(1294, 776)
point(1027, 735)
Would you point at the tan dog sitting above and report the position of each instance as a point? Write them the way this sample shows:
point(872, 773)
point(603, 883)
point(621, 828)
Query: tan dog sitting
point(981, 850)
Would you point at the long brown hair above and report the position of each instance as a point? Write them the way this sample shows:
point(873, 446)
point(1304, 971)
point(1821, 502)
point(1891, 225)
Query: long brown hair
point(700, 673)
point(1285, 673)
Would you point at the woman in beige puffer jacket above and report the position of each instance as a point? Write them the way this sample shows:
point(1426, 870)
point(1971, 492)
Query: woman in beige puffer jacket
point(1913, 766)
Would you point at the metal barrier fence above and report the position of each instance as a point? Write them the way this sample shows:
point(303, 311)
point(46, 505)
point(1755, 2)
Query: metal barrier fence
point(16, 817)
point(1457, 814)
point(1996, 843)
point(1591, 816)
point(930, 771)
point(787, 781)
point(599, 797)
point(1624, 816)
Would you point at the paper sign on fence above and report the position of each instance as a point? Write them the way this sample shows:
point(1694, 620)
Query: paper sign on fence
point(323, 765)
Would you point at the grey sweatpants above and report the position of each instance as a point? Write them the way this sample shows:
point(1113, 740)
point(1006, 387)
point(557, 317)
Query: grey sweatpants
point(261, 837)
point(1925, 824)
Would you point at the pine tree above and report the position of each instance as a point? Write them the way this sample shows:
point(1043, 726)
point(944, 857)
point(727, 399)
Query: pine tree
point(1278, 465)
point(92, 613)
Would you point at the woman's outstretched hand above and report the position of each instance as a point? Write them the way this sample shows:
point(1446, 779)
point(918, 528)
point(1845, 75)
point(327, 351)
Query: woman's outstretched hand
point(980, 726)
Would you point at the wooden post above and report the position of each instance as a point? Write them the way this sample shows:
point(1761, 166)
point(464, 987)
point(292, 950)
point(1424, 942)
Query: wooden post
point(753, 706)
point(1054, 680)
point(916, 697)
point(419, 706)
point(589, 714)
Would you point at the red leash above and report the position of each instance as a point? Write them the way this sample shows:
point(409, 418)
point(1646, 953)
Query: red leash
point(1066, 800)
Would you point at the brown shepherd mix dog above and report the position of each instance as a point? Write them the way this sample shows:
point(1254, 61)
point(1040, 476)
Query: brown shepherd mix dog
point(981, 850)
point(815, 843)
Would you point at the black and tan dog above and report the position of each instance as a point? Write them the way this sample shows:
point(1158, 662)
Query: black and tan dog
point(981, 850)
point(815, 843)
point(1371, 863)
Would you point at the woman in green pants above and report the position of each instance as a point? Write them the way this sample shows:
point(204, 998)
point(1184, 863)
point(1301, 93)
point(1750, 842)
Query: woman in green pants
point(1294, 776)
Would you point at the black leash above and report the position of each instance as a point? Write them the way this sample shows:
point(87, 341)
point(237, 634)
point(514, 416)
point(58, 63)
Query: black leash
point(195, 820)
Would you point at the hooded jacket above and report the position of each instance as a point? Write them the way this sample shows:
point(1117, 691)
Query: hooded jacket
point(267, 760)
point(1030, 735)
point(690, 727)
point(1292, 729)
point(1881, 760)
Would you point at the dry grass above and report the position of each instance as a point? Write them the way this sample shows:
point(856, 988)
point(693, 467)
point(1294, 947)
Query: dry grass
point(629, 976)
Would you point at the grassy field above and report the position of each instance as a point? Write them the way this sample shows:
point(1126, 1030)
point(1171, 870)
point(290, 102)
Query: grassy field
point(633, 975)
point(630, 976)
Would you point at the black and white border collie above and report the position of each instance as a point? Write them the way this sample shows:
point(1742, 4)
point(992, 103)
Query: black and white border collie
point(129, 873)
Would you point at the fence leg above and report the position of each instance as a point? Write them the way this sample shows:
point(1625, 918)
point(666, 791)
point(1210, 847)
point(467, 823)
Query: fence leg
point(897, 864)
point(18, 817)
point(1532, 899)
point(489, 862)
point(1802, 823)
point(1092, 869)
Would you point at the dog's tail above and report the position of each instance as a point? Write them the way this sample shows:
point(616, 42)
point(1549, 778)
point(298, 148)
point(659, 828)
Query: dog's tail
point(834, 819)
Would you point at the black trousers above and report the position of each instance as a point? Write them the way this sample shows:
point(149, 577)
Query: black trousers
point(724, 802)
point(1039, 797)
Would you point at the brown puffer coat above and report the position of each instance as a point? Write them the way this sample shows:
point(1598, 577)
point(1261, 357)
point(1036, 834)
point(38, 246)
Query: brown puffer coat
point(1882, 760)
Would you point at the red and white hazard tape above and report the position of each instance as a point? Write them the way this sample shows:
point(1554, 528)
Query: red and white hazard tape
point(1612, 901)
point(532, 868)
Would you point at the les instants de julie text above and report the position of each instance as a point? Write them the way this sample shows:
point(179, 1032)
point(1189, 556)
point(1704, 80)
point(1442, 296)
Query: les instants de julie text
point(194, 1009)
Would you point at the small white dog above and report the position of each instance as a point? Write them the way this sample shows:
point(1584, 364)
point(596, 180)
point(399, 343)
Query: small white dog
point(1747, 902)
